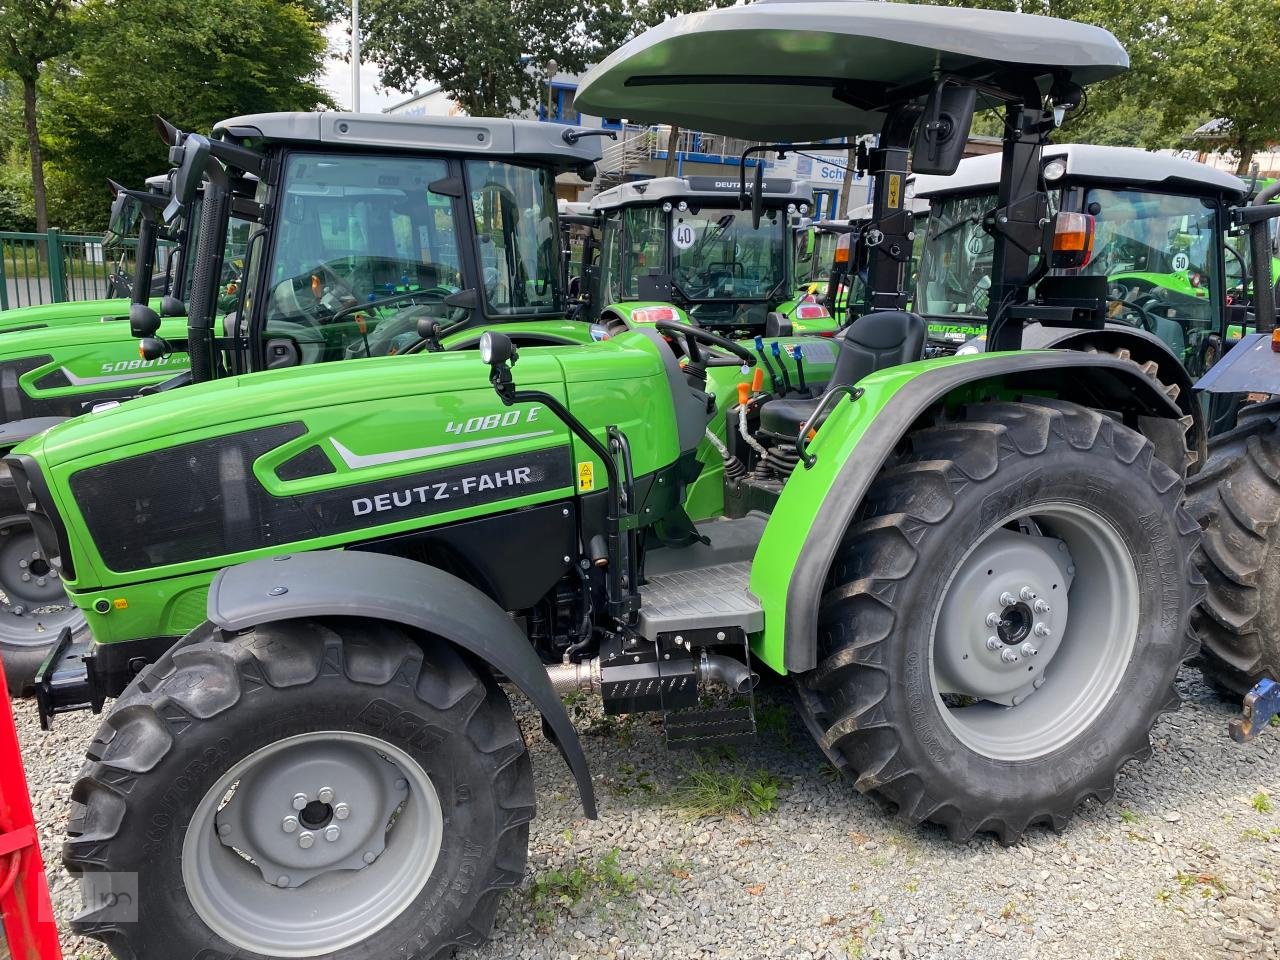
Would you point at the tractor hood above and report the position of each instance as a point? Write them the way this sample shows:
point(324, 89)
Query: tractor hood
point(50, 314)
point(792, 70)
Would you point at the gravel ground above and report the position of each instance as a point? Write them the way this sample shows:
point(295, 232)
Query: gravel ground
point(1181, 864)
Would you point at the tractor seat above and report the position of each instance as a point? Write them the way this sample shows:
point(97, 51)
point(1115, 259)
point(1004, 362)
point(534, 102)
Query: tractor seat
point(872, 342)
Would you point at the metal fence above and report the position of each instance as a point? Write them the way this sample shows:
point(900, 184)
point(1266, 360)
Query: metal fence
point(56, 267)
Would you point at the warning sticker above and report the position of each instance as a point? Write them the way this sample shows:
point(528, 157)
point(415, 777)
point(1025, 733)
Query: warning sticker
point(586, 476)
point(683, 236)
point(894, 200)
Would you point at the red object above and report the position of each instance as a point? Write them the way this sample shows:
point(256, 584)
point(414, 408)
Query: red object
point(29, 926)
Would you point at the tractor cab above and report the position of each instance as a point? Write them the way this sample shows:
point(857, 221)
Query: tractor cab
point(1155, 228)
point(682, 248)
point(379, 235)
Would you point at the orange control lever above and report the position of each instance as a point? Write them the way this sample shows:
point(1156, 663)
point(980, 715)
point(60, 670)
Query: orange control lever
point(744, 394)
point(757, 381)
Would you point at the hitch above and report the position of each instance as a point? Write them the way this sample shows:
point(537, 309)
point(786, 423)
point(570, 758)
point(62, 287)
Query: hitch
point(66, 681)
point(1261, 705)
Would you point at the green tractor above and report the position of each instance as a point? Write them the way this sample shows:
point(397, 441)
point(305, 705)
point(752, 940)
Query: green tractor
point(682, 249)
point(974, 568)
point(334, 276)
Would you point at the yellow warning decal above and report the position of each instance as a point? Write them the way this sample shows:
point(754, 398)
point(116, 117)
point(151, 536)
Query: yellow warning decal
point(586, 476)
point(895, 191)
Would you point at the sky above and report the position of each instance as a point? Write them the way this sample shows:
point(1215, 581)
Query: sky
point(337, 78)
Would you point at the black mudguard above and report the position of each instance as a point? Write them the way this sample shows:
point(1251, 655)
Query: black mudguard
point(336, 583)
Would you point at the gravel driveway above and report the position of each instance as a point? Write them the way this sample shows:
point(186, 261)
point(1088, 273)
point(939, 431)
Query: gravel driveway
point(1184, 862)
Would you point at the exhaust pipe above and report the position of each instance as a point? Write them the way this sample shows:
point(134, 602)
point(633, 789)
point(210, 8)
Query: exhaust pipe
point(567, 678)
point(737, 676)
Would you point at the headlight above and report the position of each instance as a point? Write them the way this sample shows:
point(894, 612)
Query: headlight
point(1055, 170)
point(976, 345)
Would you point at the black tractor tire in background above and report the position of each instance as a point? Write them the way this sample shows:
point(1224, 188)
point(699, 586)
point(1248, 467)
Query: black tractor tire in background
point(217, 700)
point(23, 644)
point(1236, 499)
point(874, 702)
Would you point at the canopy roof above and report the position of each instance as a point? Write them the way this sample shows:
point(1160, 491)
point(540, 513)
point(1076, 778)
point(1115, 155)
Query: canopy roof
point(774, 69)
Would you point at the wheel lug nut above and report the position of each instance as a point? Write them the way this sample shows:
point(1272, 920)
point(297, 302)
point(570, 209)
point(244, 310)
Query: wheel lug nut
point(22, 564)
point(332, 832)
point(1041, 607)
point(1026, 593)
point(290, 825)
point(993, 643)
point(325, 795)
point(26, 576)
point(1038, 682)
point(1040, 630)
point(342, 811)
point(306, 840)
point(1028, 650)
point(993, 619)
point(1018, 700)
point(1008, 599)
point(282, 880)
point(35, 554)
point(1008, 655)
point(40, 582)
point(300, 801)
point(370, 857)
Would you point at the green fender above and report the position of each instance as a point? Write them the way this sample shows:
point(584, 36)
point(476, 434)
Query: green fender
point(817, 504)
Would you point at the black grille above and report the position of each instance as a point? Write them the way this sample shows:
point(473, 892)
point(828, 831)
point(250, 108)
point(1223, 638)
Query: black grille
point(311, 462)
point(202, 501)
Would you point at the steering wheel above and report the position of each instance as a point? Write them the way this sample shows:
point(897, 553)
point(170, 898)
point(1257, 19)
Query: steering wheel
point(690, 336)
point(1146, 321)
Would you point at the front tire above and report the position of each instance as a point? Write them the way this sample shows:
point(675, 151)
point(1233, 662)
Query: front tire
point(304, 789)
point(1005, 619)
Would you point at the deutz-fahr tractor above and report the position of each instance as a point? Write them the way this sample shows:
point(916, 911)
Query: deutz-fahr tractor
point(682, 249)
point(974, 569)
point(344, 235)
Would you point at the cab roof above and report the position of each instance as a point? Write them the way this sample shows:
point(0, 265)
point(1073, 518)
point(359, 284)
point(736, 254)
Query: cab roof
point(1118, 165)
point(659, 189)
point(806, 69)
point(481, 136)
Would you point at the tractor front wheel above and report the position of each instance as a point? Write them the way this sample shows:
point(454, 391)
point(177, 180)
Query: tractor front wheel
point(1006, 617)
point(304, 789)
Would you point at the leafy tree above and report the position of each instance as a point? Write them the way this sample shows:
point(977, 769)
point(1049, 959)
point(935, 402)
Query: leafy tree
point(194, 61)
point(33, 32)
point(488, 55)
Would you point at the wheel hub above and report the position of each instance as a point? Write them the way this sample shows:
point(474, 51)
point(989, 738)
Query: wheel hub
point(26, 577)
point(998, 628)
point(294, 826)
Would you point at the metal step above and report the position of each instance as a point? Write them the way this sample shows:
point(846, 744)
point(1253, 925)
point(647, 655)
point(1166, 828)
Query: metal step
point(691, 729)
point(700, 598)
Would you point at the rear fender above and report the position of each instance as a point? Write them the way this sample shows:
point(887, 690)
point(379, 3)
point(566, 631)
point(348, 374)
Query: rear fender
point(334, 583)
point(817, 505)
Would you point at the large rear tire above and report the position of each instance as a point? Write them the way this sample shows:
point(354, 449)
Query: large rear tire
point(303, 789)
point(1236, 499)
point(33, 603)
point(1004, 621)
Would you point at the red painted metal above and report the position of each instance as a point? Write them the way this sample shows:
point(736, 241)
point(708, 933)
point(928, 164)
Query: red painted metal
point(27, 911)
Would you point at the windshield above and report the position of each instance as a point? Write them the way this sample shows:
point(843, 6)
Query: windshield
point(1160, 257)
point(716, 255)
point(815, 252)
point(356, 230)
point(517, 237)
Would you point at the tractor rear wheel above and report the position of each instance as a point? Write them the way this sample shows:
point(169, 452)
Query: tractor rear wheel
point(303, 789)
point(1005, 619)
point(1236, 499)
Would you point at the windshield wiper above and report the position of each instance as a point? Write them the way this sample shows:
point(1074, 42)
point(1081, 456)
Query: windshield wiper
point(973, 218)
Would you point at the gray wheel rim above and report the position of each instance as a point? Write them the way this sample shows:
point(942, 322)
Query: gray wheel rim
point(340, 889)
point(1018, 680)
point(33, 602)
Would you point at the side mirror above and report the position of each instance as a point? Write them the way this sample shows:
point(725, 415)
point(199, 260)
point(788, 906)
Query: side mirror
point(282, 352)
point(143, 321)
point(193, 158)
point(944, 129)
point(1072, 246)
point(467, 299)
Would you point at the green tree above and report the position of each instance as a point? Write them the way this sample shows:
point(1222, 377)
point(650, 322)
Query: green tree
point(487, 55)
point(33, 33)
point(193, 61)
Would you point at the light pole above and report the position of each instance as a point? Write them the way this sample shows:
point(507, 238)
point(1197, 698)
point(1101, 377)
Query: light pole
point(355, 56)
point(551, 68)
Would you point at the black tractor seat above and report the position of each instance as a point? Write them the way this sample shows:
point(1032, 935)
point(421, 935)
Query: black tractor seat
point(873, 342)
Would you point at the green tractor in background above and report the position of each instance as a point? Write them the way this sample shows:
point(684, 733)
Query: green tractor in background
point(974, 568)
point(682, 249)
